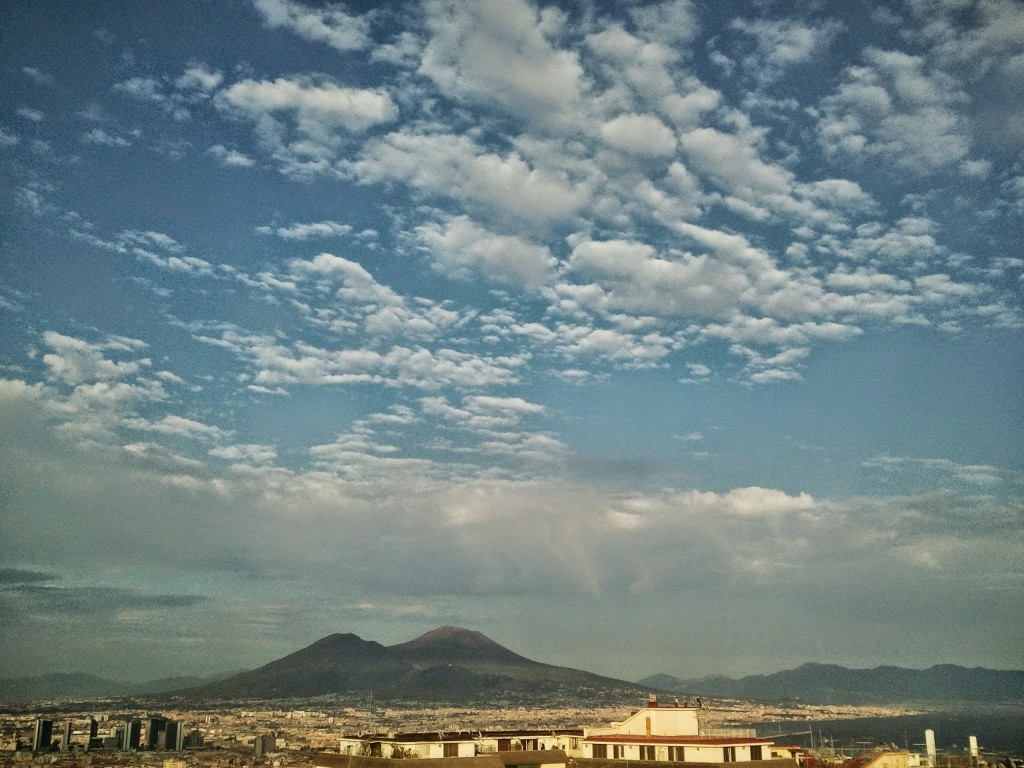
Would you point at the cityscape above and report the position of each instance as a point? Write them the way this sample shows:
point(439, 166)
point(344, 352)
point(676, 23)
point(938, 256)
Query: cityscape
point(108, 734)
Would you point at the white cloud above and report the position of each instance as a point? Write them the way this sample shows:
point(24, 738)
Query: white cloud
point(637, 134)
point(698, 370)
point(498, 52)
point(640, 69)
point(199, 77)
point(319, 106)
point(246, 452)
point(674, 23)
point(634, 278)
point(330, 25)
point(101, 138)
point(31, 114)
point(177, 426)
point(75, 361)
point(276, 364)
point(782, 43)
point(304, 123)
point(734, 164)
point(627, 349)
point(973, 474)
point(142, 88)
point(898, 109)
point(37, 75)
point(462, 248)
point(230, 157)
point(308, 231)
point(455, 167)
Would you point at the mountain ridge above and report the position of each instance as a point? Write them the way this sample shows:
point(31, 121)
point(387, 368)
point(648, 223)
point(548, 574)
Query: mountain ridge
point(817, 683)
point(451, 663)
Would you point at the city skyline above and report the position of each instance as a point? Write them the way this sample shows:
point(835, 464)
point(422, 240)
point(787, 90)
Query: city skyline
point(652, 337)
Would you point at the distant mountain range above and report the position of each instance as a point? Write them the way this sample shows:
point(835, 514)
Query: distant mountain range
point(452, 664)
point(81, 686)
point(831, 684)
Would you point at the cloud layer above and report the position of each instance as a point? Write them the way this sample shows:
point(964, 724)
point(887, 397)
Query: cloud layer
point(515, 315)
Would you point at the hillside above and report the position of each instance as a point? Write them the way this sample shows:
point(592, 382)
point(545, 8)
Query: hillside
point(58, 685)
point(831, 684)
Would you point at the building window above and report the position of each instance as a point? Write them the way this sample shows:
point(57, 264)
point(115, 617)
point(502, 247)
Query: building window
point(599, 751)
point(617, 751)
point(451, 750)
point(729, 754)
point(755, 752)
point(676, 754)
point(646, 752)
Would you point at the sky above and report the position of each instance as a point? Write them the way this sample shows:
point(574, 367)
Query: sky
point(671, 337)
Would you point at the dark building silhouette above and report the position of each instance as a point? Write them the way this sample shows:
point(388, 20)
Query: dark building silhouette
point(173, 735)
point(156, 732)
point(132, 735)
point(94, 742)
point(192, 740)
point(42, 736)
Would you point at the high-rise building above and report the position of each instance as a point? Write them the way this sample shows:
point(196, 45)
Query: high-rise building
point(42, 736)
point(132, 734)
point(93, 741)
point(156, 732)
point(171, 738)
point(65, 737)
point(264, 744)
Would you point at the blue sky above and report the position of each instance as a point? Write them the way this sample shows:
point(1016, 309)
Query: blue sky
point(672, 337)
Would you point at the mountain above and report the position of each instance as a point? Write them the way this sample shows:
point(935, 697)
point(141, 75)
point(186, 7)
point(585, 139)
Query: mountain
point(165, 684)
point(448, 663)
point(70, 686)
point(831, 684)
point(58, 685)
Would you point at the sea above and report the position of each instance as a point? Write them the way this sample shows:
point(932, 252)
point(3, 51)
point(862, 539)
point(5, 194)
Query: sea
point(998, 727)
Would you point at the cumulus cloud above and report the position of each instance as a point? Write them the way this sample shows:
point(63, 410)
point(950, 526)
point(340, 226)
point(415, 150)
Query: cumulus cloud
point(462, 248)
point(455, 167)
point(639, 135)
point(734, 163)
point(75, 361)
point(635, 278)
point(896, 108)
point(303, 122)
point(319, 107)
point(332, 25)
point(780, 44)
point(500, 52)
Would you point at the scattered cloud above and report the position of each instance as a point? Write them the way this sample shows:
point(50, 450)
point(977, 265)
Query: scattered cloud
point(332, 26)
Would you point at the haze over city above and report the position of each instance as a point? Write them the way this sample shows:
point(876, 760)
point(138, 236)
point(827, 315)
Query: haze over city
point(643, 337)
